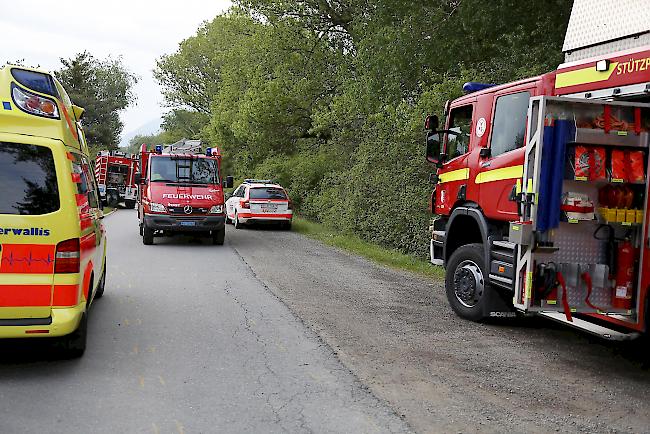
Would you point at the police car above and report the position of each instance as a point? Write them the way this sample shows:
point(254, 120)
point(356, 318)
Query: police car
point(259, 201)
point(52, 238)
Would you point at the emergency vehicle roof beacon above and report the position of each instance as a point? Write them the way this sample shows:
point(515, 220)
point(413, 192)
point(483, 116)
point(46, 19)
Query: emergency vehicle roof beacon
point(52, 240)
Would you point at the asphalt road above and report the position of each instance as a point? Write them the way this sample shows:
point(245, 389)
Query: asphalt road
point(274, 332)
point(186, 339)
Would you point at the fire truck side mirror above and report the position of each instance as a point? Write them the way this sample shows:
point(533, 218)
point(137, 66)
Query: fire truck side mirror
point(434, 154)
point(431, 123)
point(138, 178)
point(228, 183)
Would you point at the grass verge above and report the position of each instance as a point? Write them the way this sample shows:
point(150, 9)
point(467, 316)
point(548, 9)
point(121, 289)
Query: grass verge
point(381, 255)
point(108, 209)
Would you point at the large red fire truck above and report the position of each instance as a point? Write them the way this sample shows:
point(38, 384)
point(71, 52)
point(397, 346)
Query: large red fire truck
point(115, 173)
point(541, 185)
point(181, 191)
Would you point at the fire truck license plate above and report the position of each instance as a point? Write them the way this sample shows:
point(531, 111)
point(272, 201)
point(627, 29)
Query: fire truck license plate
point(188, 223)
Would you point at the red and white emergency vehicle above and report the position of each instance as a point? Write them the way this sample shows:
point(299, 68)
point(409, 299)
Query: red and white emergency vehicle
point(259, 201)
point(115, 173)
point(541, 185)
point(181, 191)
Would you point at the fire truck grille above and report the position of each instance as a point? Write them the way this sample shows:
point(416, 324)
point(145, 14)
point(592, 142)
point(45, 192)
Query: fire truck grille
point(180, 210)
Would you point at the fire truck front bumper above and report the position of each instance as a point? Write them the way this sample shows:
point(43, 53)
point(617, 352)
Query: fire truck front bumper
point(165, 222)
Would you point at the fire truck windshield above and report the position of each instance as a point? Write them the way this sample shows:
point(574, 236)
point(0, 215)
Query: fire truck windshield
point(184, 170)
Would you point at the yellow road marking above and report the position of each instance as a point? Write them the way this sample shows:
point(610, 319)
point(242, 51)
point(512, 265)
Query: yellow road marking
point(156, 430)
point(141, 381)
point(161, 380)
point(135, 349)
point(180, 428)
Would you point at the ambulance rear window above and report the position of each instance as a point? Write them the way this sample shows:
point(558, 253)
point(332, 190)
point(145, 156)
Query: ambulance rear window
point(35, 80)
point(27, 180)
point(267, 193)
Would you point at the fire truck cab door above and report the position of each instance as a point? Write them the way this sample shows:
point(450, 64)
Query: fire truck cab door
point(498, 173)
point(454, 174)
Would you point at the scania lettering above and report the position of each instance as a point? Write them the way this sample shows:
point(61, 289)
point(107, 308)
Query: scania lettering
point(541, 186)
point(181, 192)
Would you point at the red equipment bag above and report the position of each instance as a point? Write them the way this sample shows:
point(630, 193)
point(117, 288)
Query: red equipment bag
point(636, 173)
point(628, 166)
point(590, 163)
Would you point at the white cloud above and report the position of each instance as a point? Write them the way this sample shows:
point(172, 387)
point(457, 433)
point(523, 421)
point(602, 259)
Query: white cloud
point(41, 32)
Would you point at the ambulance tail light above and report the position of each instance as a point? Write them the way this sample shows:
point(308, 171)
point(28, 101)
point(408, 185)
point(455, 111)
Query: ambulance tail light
point(34, 104)
point(245, 204)
point(67, 256)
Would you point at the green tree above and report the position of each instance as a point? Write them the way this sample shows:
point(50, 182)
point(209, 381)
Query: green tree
point(104, 88)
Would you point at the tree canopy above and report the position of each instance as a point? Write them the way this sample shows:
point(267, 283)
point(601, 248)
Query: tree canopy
point(329, 96)
point(104, 88)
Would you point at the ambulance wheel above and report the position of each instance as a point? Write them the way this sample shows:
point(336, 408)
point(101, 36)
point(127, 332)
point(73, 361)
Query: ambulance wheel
point(465, 281)
point(147, 236)
point(286, 226)
point(236, 222)
point(219, 236)
point(129, 204)
point(74, 344)
point(102, 283)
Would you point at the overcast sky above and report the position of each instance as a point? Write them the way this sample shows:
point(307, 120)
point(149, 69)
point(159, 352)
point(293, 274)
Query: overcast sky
point(41, 32)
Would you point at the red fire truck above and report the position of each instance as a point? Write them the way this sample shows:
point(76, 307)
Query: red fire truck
point(115, 173)
point(181, 191)
point(541, 185)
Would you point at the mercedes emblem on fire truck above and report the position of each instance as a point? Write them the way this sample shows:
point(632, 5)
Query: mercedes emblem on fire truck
point(187, 209)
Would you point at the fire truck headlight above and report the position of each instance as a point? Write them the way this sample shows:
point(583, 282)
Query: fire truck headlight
point(157, 207)
point(217, 209)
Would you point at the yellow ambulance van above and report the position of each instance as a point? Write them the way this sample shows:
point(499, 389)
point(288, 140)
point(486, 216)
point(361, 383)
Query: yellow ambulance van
point(52, 238)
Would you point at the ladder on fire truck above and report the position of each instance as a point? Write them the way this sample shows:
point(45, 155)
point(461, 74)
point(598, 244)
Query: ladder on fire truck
point(184, 147)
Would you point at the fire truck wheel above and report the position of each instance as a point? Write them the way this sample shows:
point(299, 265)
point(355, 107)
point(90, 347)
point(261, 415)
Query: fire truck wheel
point(465, 281)
point(218, 237)
point(74, 344)
point(112, 198)
point(147, 236)
point(129, 204)
point(102, 283)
